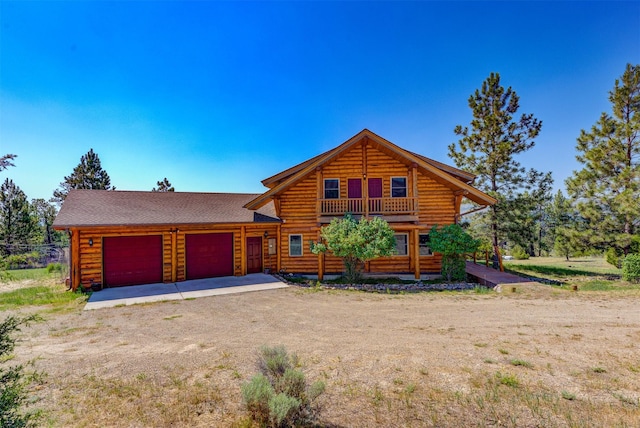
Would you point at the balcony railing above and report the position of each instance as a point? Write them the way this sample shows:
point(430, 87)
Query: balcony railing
point(369, 206)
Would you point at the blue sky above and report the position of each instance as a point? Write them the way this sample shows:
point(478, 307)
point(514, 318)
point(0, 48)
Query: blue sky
point(217, 96)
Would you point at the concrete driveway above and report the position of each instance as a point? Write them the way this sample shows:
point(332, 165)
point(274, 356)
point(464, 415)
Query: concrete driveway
point(135, 294)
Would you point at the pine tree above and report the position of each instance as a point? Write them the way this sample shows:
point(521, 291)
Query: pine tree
point(87, 175)
point(163, 186)
point(6, 161)
point(607, 189)
point(45, 213)
point(17, 225)
point(488, 148)
point(564, 227)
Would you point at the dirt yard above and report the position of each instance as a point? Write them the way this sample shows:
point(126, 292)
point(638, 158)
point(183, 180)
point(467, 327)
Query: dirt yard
point(536, 357)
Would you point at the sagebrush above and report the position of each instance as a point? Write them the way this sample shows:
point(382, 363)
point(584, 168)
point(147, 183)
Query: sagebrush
point(279, 396)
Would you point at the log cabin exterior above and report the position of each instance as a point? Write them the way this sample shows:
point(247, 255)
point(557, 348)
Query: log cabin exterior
point(122, 238)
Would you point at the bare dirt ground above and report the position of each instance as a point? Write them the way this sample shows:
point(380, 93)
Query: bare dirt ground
point(428, 359)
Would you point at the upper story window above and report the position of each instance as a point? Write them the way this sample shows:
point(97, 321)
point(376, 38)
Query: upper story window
point(331, 188)
point(398, 187)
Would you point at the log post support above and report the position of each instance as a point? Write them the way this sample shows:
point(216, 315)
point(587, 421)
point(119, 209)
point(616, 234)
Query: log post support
point(174, 255)
point(416, 253)
point(278, 247)
point(320, 261)
point(243, 250)
point(75, 259)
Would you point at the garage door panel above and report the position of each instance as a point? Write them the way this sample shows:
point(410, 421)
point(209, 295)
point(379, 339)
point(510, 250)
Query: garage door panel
point(132, 260)
point(209, 255)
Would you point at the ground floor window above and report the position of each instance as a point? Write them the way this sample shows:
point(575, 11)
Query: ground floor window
point(401, 244)
point(425, 245)
point(295, 245)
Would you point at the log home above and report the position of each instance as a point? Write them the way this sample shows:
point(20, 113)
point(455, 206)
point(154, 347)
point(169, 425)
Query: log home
point(125, 238)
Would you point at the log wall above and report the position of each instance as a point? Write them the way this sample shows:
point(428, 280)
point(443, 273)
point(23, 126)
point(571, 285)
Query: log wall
point(299, 210)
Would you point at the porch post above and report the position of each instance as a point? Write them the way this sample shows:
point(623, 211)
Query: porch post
point(416, 253)
point(243, 250)
point(320, 261)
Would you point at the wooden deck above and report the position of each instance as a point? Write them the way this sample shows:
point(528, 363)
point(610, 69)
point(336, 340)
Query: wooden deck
point(491, 277)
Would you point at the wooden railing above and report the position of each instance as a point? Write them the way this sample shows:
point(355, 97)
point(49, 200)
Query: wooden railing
point(372, 206)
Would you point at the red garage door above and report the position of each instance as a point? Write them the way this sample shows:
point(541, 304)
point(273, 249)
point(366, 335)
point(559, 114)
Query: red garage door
point(132, 260)
point(209, 255)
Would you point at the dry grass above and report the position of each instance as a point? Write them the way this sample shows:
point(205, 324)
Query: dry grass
point(542, 356)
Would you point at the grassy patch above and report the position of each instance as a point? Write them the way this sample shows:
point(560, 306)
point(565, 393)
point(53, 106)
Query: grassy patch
point(22, 274)
point(37, 296)
point(557, 267)
point(42, 289)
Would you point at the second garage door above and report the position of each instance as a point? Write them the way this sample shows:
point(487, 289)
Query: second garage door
point(209, 255)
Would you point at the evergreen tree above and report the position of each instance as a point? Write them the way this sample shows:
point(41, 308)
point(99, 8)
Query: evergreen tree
point(45, 213)
point(607, 189)
point(487, 149)
point(564, 227)
point(17, 225)
point(87, 175)
point(163, 186)
point(6, 161)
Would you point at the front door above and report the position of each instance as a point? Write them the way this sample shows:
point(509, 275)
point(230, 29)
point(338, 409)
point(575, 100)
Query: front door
point(254, 255)
point(374, 187)
point(354, 193)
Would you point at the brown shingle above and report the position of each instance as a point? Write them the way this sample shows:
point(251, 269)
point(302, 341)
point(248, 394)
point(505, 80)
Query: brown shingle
point(115, 207)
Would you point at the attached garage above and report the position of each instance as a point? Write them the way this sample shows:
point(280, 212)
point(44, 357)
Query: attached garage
point(209, 255)
point(130, 238)
point(132, 260)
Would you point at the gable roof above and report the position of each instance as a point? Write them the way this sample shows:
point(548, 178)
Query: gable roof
point(272, 181)
point(118, 208)
point(445, 174)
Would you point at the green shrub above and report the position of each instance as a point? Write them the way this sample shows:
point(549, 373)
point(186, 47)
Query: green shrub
point(631, 268)
point(613, 257)
point(22, 261)
point(454, 244)
point(256, 395)
point(54, 267)
point(282, 409)
point(454, 269)
point(519, 253)
point(274, 362)
point(13, 380)
point(279, 395)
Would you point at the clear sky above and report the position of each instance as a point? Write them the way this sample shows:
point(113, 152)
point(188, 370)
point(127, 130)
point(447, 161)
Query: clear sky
point(217, 96)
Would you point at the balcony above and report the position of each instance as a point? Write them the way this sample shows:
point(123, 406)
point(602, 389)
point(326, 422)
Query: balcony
point(379, 206)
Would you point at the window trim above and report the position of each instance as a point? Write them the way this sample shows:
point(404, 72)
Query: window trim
point(301, 245)
point(406, 191)
point(406, 243)
point(324, 187)
point(420, 246)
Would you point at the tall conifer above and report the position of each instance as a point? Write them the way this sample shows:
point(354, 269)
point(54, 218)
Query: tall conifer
point(488, 149)
point(607, 189)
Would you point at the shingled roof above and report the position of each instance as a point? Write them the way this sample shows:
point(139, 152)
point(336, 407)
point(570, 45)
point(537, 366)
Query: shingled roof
point(124, 208)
